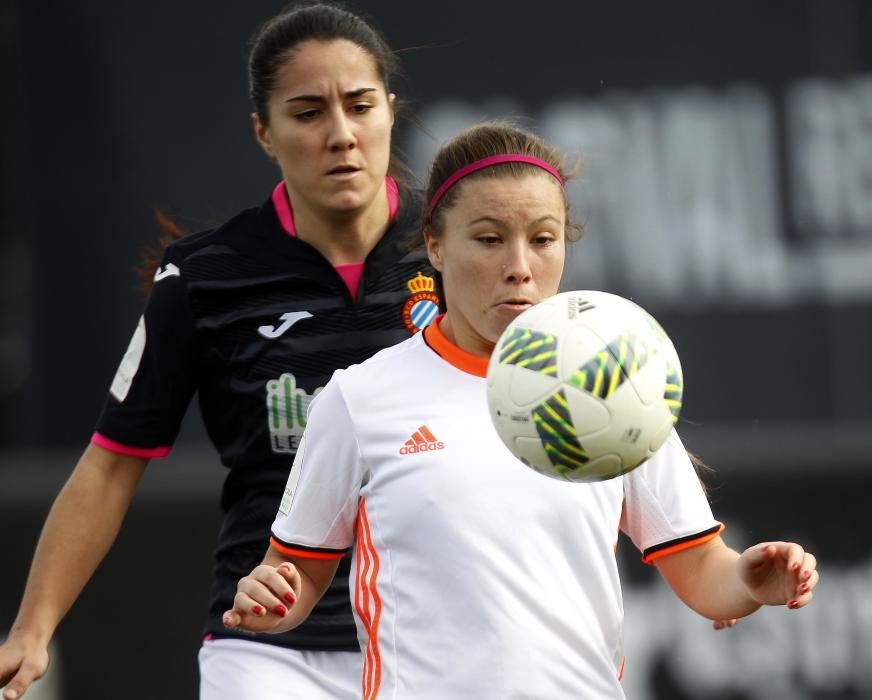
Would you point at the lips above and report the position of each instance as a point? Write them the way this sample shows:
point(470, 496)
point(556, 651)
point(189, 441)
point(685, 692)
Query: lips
point(515, 304)
point(343, 169)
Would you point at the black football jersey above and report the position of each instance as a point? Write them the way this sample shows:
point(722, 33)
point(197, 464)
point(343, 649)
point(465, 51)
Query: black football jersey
point(255, 321)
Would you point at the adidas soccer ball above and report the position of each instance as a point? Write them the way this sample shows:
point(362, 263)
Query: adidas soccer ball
point(584, 386)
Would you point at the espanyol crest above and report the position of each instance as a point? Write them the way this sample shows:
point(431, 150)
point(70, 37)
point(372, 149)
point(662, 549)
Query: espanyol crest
point(423, 306)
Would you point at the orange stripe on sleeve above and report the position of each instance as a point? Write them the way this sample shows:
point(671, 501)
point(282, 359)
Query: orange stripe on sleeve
point(305, 553)
point(680, 546)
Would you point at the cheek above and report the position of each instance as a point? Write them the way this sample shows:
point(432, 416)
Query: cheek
point(550, 272)
point(288, 142)
point(379, 134)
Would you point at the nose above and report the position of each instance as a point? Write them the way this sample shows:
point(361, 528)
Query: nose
point(341, 136)
point(516, 268)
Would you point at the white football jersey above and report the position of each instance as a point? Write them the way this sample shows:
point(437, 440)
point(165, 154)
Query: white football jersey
point(473, 576)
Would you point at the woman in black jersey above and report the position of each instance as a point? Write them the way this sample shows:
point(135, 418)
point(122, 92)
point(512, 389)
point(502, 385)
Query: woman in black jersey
point(254, 317)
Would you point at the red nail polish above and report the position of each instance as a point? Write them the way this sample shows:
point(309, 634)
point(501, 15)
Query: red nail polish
point(793, 605)
point(803, 588)
point(796, 567)
point(280, 610)
point(291, 598)
point(257, 610)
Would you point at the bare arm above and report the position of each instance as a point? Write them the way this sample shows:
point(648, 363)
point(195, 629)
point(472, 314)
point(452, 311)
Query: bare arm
point(720, 584)
point(78, 532)
point(279, 594)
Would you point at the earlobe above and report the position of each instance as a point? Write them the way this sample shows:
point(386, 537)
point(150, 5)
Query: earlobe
point(392, 103)
point(434, 251)
point(261, 133)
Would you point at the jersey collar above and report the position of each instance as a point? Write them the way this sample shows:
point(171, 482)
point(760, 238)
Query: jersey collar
point(285, 212)
point(453, 355)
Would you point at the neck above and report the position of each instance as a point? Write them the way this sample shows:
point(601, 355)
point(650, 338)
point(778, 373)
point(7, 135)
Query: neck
point(343, 237)
point(465, 338)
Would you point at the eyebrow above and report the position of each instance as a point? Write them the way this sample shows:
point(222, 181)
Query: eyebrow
point(351, 94)
point(493, 220)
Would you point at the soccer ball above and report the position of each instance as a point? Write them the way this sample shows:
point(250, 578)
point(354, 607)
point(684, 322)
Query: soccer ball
point(584, 386)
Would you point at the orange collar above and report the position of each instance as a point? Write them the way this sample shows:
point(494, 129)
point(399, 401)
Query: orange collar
point(448, 351)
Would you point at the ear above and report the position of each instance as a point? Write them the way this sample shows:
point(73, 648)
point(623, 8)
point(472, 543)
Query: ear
point(434, 250)
point(392, 103)
point(261, 133)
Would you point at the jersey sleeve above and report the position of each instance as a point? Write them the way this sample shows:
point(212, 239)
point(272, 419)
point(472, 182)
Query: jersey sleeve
point(319, 507)
point(156, 379)
point(665, 506)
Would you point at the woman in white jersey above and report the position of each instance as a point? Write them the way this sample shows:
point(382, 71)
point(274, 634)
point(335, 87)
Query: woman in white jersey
point(473, 576)
point(254, 317)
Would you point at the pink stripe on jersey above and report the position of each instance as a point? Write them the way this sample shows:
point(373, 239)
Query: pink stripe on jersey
point(117, 447)
point(351, 274)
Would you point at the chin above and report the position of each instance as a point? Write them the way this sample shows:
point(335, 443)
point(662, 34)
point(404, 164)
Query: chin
point(496, 327)
point(348, 201)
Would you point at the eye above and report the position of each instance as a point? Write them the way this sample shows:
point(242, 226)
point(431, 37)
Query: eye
point(360, 107)
point(488, 239)
point(307, 115)
point(544, 239)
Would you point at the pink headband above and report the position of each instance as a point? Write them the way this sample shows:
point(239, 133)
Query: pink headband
point(487, 163)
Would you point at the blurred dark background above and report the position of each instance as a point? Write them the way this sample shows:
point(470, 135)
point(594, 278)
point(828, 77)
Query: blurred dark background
point(726, 185)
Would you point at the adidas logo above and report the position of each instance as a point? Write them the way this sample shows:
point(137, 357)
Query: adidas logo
point(422, 440)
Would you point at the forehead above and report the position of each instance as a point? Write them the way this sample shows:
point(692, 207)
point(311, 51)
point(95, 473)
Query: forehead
point(508, 198)
point(315, 64)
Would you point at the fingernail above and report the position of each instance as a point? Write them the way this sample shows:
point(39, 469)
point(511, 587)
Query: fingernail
point(803, 588)
point(291, 598)
point(11, 694)
point(796, 566)
point(257, 610)
point(280, 610)
point(793, 604)
point(806, 575)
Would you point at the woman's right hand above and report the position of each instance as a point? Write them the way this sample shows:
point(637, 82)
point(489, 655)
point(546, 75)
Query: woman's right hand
point(263, 598)
point(21, 663)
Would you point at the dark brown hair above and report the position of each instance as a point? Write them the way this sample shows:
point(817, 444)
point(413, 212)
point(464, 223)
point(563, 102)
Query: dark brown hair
point(493, 138)
point(279, 38)
point(152, 255)
point(273, 44)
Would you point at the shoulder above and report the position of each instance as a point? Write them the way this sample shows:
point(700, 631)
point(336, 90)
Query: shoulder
point(367, 389)
point(228, 233)
point(406, 227)
point(392, 364)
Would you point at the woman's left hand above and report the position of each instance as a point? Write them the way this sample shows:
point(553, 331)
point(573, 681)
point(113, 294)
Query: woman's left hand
point(778, 573)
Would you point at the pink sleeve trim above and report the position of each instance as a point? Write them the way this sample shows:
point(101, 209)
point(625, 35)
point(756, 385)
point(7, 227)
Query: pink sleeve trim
point(112, 446)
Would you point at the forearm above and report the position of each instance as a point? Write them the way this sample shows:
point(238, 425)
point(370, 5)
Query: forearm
point(79, 530)
point(279, 593)
point(313, 584)
point(706, 579)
